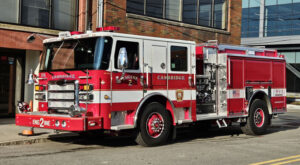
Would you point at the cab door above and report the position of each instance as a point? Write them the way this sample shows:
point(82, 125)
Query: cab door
point(127, 90)
point(155, 66)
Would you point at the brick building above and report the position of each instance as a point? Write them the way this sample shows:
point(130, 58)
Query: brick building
point(198, 20)
point(36, 20)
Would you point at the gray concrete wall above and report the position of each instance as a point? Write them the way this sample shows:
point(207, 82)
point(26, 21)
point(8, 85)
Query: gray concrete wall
point(31, 62)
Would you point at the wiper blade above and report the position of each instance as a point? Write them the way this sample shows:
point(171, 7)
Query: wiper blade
point(66, 72)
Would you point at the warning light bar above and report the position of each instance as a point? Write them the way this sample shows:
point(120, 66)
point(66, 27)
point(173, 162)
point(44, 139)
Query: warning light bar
point(109, 28)
point(76, 33)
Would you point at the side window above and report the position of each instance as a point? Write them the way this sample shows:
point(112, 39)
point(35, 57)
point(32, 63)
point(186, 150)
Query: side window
point(178, 58)
point(132, 49)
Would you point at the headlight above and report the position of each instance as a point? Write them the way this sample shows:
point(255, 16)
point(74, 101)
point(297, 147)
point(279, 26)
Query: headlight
point(40, 96)
point(86, 97)
point(57, 123)
point(63, 124)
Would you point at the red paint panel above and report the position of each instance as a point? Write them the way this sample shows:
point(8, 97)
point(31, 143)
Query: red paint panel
point(232, 51)
point(43, 106)
point(182, 104)
point(199, 52)
point(271, 53)
point(278, 102)
point(125, 106)
point(105, 110)
point(73, 124)
point(256, 70)
point(235, 107)
point(259, 53)
point(279, 74)
point(130, 117)
point(236, 74)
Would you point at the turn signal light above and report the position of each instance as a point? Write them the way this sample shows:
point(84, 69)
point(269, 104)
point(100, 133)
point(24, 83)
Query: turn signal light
point(39, 88)
point(87, 87)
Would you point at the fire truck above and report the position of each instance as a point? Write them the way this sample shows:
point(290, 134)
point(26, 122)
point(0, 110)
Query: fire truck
point(111, 81)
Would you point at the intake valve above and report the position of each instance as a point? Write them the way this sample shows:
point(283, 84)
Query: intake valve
point(75, 110)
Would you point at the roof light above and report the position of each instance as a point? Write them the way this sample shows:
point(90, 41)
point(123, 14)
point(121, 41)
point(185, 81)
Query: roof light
point(281, 56)
point(109, 28)
point(76, 33)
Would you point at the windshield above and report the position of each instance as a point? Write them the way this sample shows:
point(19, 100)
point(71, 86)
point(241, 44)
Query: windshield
point(90, 53)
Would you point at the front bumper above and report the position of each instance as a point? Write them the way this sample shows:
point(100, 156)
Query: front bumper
point(49, 121)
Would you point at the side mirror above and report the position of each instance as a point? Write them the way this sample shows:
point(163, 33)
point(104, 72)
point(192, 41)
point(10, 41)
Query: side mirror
point(31, 78)
point(122, 59)
point(122, 63)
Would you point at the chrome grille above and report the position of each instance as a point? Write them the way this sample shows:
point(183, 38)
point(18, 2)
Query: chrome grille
point(66, 87)
point(61, 96)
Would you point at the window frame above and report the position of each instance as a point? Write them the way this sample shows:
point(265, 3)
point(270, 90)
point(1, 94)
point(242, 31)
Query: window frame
point(212, 14)
point(140, 50)
point(169, 58)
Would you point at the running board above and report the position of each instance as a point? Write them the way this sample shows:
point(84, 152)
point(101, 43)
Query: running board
point(184, 121)
point(121, 127)
point(223, 123)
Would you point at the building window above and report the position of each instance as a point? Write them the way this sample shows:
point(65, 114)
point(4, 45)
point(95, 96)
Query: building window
point(35, 13)
point(281, 18)
point(9, 11)
point(154, 8)
point(173, 10)
point(132, 49)
point(64, 14)
point(178, 58)
point(208, 13)
point(205, 11)
point(250, 18)
point(52, 14)
point(136, 6)
point(189, 11)
point(219, 14)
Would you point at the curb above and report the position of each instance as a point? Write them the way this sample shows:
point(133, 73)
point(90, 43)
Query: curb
point(38, 140)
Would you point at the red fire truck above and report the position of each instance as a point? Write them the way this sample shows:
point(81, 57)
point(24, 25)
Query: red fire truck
point(111, 81)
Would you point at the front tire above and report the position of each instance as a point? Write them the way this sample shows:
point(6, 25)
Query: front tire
point(155, 125)
point(258, 120)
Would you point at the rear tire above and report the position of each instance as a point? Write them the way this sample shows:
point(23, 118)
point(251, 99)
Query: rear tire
point(258, 120)
point(154, 126)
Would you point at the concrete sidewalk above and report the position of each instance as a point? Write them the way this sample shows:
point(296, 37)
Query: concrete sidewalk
point(10, 134)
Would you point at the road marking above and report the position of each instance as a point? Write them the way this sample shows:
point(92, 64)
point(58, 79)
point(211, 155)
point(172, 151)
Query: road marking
point(278, 161)
point(290, 161)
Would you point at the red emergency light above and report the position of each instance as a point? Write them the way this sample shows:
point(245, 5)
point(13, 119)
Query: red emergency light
point(281, 56)
point(108, 28)
point(76, 33)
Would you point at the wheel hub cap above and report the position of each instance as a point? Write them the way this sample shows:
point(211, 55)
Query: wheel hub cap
point(259, 117)
point(155, 125)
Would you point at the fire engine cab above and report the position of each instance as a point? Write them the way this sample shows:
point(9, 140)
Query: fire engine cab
point(111, 81)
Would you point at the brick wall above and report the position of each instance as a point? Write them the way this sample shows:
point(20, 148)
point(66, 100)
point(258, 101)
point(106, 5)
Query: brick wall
point(115, 15)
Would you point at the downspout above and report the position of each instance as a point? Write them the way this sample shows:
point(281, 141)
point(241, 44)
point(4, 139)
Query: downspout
point(100, 13)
